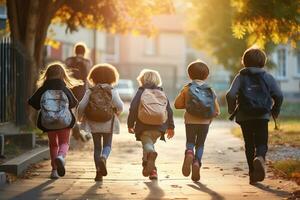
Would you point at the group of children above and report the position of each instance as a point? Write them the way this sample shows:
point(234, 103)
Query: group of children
point(150, 114)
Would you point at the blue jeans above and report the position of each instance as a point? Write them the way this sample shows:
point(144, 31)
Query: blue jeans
point(98, 150)
point(255, 134)
point(195, 138)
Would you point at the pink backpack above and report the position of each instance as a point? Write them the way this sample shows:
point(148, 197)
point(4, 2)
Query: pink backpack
point(153, 107)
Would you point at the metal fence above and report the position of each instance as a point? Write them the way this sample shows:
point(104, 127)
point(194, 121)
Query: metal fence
point(12, 83)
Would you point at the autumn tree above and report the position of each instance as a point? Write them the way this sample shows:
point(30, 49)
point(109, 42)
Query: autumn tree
point(29, 21)
point(225, 28)
point(209, 29)
point(273, 21)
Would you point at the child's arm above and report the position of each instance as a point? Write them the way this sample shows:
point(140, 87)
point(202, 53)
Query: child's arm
point(180, 99)
point(118, 103)
point(133, 110)
point(34, 101)
point(217, 108)
point(82, 105)
point(232, 93)
point(171, 126)
point(277, 96)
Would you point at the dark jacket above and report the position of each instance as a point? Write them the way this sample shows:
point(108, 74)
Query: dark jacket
point(52, 84)
point(275, 93)
point(139, 127)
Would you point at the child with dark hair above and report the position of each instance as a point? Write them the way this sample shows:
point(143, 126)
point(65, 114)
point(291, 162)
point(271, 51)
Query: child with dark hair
point(99, 109)
point(252, 98)
point(199, 113)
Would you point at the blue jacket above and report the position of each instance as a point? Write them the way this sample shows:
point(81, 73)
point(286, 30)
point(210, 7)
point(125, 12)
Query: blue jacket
point(232, 94)
point(139, 127)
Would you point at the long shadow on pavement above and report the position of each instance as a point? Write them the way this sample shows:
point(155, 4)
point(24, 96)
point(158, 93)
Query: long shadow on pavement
point(199, 186)
point(93, 192)
point(155, 191)
point(36, 192)
point(279, 193)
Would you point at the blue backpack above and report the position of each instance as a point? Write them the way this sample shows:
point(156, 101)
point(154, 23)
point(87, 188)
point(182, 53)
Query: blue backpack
point(254, 96)
point(201, 100)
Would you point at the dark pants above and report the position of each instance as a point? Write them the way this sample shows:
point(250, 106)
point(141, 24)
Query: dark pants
point(98, 150)
point(255, 134)
point(195, 138)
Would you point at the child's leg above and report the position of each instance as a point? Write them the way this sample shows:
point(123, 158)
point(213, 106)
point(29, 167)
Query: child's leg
point(148, 139)
point(191, 132)
point(63, 142)
point(53, 146)
point(201, 137)
point(97, 148)
point(107, 140)
point(261, 138)
point(247, 129)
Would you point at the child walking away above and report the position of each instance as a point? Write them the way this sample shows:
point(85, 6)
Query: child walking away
point(201, 106)
point(253, 96)
point(150, 117)
point(54, 100)
point(99, 109)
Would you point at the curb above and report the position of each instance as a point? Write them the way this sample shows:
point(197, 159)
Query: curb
point(19, 164)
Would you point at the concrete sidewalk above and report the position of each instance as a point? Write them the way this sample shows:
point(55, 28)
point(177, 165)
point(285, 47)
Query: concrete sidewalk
point(223, 175)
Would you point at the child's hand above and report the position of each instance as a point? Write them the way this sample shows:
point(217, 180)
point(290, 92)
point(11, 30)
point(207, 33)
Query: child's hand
point(131, 130)
point(170, 133)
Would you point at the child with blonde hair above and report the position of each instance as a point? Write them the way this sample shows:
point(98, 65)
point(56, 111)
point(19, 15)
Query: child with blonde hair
point(54, 100)
point(201, 105)
point(150, 117)
point(99, 108)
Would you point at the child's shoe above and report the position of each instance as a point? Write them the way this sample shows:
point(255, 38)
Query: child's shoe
point(151, 157)
point(144, 164)
point(102, 166)
point(60, 163)
point(54, 174)
point(153, 174)
point(98, 176)
point(252, 181)
point(188, 160)
point(196, 171)
point(259, 169)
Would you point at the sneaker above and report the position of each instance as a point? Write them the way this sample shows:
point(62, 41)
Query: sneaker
point(54, 174)
point(153, 174)
point(252, 181)
point(102, 166)
point(60, 163)
point(259, 169)
point(196, 171)
point(144, 164)
point(188, 160)
point(98, 176)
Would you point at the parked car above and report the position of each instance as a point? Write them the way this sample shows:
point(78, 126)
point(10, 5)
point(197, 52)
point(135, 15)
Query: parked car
point(125, 89)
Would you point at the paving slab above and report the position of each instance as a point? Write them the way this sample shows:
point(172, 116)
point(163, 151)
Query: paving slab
point(223, 176)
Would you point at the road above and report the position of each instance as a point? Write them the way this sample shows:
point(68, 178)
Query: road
point(223, 176)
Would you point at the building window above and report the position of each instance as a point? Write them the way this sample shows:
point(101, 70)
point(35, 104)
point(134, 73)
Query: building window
point(298, 62)
point(281, 63)
point(110, 44)
point(67, 50)
point(150, 46)
point(112, 48)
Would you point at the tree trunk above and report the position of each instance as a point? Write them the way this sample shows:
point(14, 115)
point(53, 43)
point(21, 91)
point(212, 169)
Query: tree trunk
point(29, 21)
